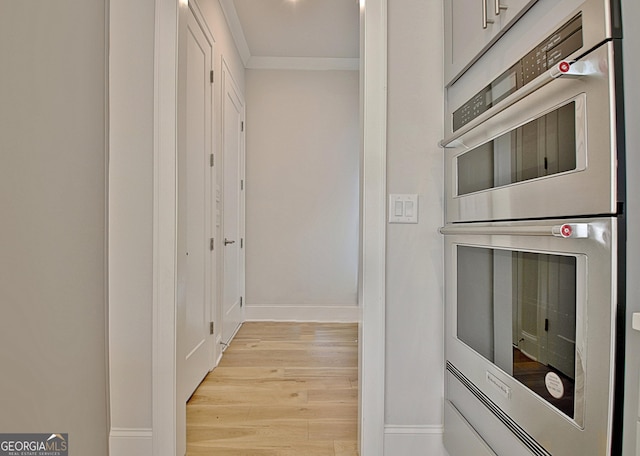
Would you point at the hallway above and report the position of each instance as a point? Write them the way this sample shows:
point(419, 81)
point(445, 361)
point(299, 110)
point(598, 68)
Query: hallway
point(281, 389)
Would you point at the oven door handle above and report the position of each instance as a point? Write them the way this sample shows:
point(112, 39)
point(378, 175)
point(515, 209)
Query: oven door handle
point(567, 230)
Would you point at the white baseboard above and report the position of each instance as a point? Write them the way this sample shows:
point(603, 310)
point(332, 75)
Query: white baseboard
point(413, 441)
point(324, 314)
point(130, 442)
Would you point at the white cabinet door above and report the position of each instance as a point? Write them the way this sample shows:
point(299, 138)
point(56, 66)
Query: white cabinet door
point(471, 26)
point(465, 35)
point(510, 10)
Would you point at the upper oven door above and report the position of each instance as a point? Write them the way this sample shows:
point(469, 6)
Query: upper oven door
point(530, 325)
point(551, 154)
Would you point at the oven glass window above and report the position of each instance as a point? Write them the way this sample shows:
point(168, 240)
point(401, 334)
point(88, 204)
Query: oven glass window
point(518, 310)
point(542, 147)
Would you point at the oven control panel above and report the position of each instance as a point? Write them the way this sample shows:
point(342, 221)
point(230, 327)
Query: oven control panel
point(555, 48)
point(559, 45)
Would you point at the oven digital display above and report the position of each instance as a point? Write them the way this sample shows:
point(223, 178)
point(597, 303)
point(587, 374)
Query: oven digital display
point(504, 86)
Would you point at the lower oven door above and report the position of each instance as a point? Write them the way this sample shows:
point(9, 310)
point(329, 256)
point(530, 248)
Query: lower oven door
point(530, 328)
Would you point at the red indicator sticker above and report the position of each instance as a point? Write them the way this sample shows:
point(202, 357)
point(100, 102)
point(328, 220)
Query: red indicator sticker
point(566, 230)
point(564, 67)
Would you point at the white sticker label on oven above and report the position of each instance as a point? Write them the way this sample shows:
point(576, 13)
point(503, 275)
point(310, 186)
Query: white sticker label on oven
point(554, 384)
point(499, 385)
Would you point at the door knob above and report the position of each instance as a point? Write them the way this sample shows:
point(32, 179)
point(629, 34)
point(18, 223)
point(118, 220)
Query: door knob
point(228, 241)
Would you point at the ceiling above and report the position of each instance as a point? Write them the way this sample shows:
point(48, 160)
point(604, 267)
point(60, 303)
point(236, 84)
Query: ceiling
point(295, 34)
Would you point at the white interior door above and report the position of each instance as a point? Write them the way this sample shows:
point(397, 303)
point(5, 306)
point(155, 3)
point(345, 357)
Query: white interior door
point(194, 341)
point(560, 315)
point(232, 206)
point(528, 310)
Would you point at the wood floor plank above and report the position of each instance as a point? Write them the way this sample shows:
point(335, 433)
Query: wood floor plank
point(347, 448)
point(289, 358)
point(281, 389)
point(229, 396)
point(198, 415)
point(306, 412)
point(332, 429)
point(302, 372)
point(245, 372)
point(343, 395)
point(257, 433)
point(298, 449)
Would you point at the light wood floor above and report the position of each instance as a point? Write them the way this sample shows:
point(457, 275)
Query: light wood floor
point(281, 389)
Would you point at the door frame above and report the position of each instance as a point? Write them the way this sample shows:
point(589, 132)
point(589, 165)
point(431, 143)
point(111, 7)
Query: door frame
point(373, 106)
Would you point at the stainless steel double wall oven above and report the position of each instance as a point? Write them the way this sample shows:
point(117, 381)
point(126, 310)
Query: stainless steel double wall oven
point(534, 237)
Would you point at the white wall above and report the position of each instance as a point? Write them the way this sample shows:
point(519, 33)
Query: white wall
point(131, 85)
point(53, 229)
point(302, 197)
point(414, 300)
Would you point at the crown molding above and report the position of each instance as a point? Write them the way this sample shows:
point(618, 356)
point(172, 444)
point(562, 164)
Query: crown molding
point(231, 16)
point(302, 63)
point(278, 63)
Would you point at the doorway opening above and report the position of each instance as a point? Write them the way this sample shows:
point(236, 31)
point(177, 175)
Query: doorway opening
point(166, 406)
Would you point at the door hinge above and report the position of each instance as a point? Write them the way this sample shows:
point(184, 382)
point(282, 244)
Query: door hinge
point(242, 126)
point(211, 160)
point(241, 242)
point(211, 244)
point(240, 301)
point(241, 184)
point(211, 76)
point(210, 327)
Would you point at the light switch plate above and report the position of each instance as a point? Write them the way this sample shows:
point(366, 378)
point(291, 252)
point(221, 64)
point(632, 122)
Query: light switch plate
point(403, 208)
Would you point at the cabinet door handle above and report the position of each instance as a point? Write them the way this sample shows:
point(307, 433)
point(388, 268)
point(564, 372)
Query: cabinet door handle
point(499, 7)
point(485, 19)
